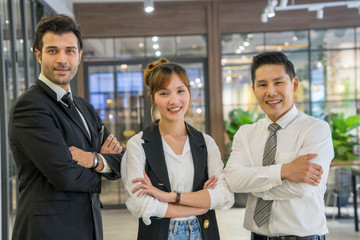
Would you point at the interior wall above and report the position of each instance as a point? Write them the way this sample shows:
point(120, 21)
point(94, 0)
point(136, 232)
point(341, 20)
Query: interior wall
point(212, 17)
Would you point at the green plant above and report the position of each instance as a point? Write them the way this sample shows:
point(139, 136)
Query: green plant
point(343, 140)
point(239, 117)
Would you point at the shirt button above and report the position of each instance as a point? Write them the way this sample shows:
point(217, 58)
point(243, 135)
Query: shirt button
point(92, 202)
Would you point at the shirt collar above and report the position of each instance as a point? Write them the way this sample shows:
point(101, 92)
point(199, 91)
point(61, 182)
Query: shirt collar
point(286, 119)
point(60, 92)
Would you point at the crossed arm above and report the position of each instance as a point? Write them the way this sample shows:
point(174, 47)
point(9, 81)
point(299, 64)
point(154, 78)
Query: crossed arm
point(86, 159)
point(295, 175)
point(145, 201)
point(194, 203)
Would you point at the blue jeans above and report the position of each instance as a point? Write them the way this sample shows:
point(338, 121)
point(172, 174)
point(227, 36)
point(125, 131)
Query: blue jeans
point(184, 230)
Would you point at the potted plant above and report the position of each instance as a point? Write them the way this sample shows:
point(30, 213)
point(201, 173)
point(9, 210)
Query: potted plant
point(339, 179)
point(343, 139)
point(237, 118)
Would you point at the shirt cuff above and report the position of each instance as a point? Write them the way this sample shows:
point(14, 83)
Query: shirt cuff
point(214, 198)
point(275, 173)
point(106, 168)
point(161, 209)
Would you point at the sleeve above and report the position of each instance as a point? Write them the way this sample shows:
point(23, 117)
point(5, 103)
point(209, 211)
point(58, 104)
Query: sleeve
point(240, 172)
point(221, 196)
point(106, 168)
point(112, 162)
point(317, 140)
point(132, 167)
point(33, 132)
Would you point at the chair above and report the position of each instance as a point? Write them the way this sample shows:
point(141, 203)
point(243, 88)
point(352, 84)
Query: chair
point(355, 172)
point(339, 187)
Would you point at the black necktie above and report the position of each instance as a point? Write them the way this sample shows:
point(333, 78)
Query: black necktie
point(73, 112)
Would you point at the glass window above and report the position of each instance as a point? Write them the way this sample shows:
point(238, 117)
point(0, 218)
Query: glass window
point(191, 45)
point(102, 87)
point(237, 86)
point(332, 38)
point(242, 43)
point(130, 47)
point(160, 46)
point(301, 65)
point(31, 56)
point(322, 109)
point(333, 75)
point(195, 72)
point(20, 49)
point(357, 83)
point(286, 41)
point(98, 47)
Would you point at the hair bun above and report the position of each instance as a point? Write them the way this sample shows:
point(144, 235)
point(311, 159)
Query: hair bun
point(151, 67)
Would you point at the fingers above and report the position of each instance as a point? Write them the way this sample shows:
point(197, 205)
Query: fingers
point(146, 177)
point(308, 156)
point(111, 145)
point(211, 183)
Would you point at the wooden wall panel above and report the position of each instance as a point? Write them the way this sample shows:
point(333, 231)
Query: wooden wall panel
point(130, 19)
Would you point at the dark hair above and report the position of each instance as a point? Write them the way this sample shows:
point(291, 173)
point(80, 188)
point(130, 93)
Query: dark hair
point(276, 58)
point(57, 24)
point(157, 76)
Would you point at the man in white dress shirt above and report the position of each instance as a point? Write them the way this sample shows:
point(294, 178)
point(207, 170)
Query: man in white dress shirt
point(293, 186)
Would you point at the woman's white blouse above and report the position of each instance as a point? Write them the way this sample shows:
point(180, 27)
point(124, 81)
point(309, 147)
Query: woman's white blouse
point(181, 175)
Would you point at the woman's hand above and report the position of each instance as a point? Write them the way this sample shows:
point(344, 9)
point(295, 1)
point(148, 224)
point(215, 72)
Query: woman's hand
point(147, 188)
point(211, 183)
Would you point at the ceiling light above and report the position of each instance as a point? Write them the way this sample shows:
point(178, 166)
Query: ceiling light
point(148, 5)
point(270, 11)
point(319, 7)
point(264, 17)
point(320, 14)
point(283, 3)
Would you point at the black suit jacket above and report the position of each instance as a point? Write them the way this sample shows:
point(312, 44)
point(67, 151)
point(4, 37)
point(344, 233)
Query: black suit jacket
point(59, 199)
point(156, 169)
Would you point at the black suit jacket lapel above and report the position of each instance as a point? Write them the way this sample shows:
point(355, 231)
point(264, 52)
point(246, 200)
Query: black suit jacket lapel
point(199, 154)
point(155, 154)
point(90, 124)
point(52, 95)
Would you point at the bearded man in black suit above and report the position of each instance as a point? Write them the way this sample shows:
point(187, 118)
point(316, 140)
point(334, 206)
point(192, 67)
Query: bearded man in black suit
point(60, 146)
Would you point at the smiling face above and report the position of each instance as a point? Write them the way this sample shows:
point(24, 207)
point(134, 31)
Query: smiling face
point(274, 90)
point(173, 101)
point(59, 57)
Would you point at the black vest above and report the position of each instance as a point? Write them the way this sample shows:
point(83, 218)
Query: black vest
point(156, 169)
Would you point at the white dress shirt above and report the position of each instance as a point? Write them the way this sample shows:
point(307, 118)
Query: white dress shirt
point(298, 208)
point(60, 92)
point(181, 175)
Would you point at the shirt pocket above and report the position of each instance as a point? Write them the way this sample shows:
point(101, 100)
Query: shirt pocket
point(285, 157)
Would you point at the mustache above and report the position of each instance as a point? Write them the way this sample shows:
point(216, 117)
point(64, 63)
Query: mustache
point(62, 67)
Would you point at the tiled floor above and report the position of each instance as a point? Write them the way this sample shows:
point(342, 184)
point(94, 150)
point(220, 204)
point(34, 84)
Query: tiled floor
point(120, 225)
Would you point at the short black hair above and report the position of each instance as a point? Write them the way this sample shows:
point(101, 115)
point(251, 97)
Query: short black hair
point(57, 24)
point(276, 58)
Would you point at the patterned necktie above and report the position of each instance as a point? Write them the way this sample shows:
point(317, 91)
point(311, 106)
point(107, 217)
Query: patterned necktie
point(263, 207)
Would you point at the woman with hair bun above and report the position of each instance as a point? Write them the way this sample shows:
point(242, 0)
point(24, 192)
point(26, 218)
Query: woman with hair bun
point(173, 174)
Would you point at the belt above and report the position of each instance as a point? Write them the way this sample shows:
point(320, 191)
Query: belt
point(255, 236)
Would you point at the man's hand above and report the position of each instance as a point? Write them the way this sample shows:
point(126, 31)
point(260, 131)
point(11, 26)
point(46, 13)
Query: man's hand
point(301, 170)
point(85, 159)
point(111, 145)
point(211, 183)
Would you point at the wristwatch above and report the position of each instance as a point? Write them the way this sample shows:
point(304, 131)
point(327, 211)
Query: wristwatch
point(96, 160)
